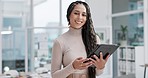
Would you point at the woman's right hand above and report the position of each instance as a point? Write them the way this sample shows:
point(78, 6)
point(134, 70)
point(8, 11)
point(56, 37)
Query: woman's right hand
point(79, 63)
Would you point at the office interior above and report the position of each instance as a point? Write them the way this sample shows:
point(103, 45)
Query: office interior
point(28, 28)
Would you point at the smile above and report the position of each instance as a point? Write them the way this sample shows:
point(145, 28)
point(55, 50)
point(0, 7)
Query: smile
point(78, 22)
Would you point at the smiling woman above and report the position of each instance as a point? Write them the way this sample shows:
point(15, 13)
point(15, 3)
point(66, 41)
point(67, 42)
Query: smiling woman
point(78, 17)
point(71, 49)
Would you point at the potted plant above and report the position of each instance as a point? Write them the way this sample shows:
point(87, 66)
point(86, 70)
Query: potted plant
point(123, 41)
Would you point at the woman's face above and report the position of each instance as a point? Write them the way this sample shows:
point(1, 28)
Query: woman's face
point(78, 16)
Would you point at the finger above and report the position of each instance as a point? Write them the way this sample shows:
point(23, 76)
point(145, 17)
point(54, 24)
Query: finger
point(93, 60)
point(101, 55)
point(107, 57)
point(85, 65)
point(82, 61)
point(79, 58)
point(86, 60)
point(97, 59)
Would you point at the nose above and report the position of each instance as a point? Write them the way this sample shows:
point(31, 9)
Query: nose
point(80, 16)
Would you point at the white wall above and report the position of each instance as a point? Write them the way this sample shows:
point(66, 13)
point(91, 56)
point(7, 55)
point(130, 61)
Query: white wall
point(146, 30)
point(100, 11)
point(139, 60)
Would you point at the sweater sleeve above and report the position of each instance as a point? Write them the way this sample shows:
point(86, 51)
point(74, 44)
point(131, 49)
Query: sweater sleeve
point(99, 72)
point(56, 63)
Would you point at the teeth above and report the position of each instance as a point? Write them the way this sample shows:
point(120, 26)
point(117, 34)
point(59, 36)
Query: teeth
point(78, 22)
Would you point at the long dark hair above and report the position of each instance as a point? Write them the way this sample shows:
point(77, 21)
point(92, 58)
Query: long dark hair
point(88, 33)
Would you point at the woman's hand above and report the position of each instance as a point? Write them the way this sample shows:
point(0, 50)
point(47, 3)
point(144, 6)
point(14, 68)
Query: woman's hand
point(99, 62)
point(79, 63)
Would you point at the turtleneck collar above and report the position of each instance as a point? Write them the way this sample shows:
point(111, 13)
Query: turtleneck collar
point(74, 31)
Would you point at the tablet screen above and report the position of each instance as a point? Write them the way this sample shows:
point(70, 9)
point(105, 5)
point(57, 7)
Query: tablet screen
point(105, 49)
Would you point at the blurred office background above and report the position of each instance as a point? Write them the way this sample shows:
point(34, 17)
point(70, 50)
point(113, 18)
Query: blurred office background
point(28, 28)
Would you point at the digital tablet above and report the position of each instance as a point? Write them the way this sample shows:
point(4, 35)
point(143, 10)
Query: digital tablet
point(106, 49)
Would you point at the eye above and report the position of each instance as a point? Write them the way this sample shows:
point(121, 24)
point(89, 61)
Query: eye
point(76, 13)
point(84, 15)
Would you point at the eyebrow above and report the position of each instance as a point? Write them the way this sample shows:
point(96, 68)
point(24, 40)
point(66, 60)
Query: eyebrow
point(79, 11)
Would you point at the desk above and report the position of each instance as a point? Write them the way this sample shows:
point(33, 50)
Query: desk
point(145, 66)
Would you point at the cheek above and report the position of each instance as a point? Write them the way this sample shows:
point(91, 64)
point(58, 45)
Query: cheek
point(71, 18)
point(84, 21)
point(84, 18)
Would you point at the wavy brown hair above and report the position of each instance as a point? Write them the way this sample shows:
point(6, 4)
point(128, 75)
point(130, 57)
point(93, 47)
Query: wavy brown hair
point(88, 33)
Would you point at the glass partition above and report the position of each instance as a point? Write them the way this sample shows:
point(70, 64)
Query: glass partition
point(135, 29)
point(126, 5)
point(41, 42)
point(13, 50)
point(15, 16)
point(44, 15)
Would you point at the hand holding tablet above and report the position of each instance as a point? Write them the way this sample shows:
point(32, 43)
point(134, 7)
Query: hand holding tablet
point(106, 49)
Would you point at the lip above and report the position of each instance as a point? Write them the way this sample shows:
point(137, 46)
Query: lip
point(78, 22)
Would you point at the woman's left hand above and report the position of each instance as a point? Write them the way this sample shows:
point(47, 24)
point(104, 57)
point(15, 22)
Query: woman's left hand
point(99, 62)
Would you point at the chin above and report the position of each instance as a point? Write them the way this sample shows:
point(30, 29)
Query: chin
point(79, 27)
point(76, 27)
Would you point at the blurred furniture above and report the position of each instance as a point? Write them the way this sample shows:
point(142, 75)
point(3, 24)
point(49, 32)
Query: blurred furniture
point(48, 66)
point(12, 73)
point(41, 70)
point(126, 60)
point(127, 76)
point(18, 64)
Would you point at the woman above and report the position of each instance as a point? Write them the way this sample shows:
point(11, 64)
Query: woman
point(70, 50)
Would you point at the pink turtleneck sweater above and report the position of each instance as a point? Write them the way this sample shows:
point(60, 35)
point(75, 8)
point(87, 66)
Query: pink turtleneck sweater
point(66, 49)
